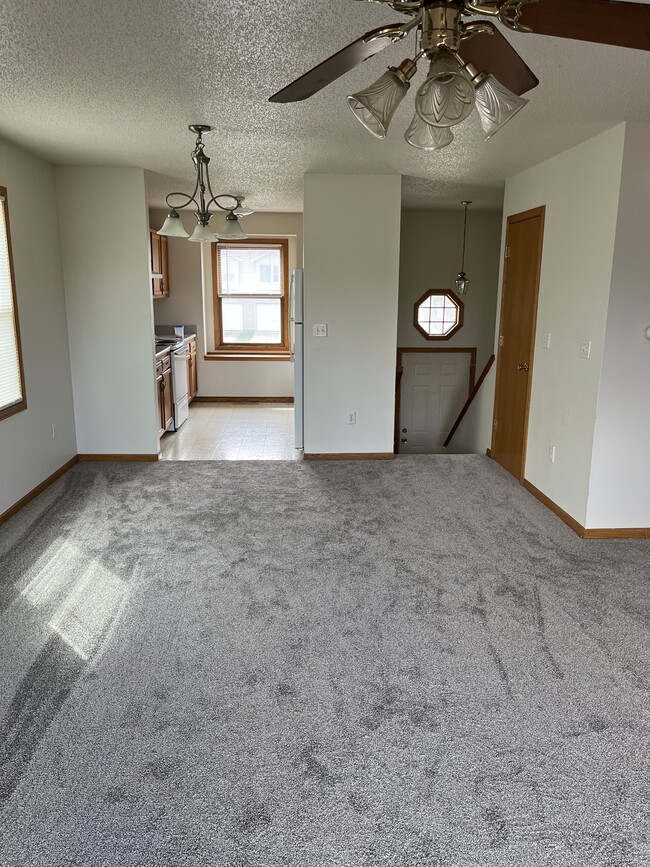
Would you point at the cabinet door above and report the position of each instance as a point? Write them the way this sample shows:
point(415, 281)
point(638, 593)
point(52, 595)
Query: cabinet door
point(158, 265)
point(164, 267)
point(159, 403)
point(192, 389)
point(168, 399)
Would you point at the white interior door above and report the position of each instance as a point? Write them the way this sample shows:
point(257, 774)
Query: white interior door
point(434, 388)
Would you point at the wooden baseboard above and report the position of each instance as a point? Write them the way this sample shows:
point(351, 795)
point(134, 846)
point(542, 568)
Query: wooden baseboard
point(488, 452)
point(130, 458)
point(355, 456)
point(622, 533)
point(12, 510)
point(205, 399)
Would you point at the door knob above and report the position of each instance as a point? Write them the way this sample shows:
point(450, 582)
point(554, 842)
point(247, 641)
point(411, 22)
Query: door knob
point(404, 440)
point(523, 367)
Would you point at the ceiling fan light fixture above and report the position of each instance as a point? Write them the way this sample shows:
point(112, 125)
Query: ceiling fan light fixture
point(231, 230)
point(496, 105)
point(447, 97)
point(375, 106)
point(425, 137)
point(173, 227)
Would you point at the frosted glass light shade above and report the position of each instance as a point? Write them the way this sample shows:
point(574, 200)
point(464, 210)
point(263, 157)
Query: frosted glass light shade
point(496, 105)
point(231, 230)
point(203, 235)
point(173, 227)
point(425, 137)
point(375, 106)
point(462, 282)
point(447, 96)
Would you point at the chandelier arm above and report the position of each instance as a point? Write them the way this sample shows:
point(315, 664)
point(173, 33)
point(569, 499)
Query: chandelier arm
point(508, 12)
point(477, 28)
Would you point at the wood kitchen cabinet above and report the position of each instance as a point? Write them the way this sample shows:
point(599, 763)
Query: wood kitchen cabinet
point(192, 379)
point(158, 265)
point(164, 393)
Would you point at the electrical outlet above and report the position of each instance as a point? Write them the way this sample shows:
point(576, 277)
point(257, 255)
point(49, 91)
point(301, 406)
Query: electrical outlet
point(585, 349)
point(546, 343)
point(352, 418)
point(551, 454)
point(53, 431)
point(320, 331)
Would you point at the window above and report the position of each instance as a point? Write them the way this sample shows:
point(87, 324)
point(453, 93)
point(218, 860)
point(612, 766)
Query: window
point(438, 314)
point(250, 297)
point(12, 386)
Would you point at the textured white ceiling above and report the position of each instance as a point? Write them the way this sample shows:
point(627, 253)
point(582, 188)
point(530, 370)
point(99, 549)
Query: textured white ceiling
point(117, 83)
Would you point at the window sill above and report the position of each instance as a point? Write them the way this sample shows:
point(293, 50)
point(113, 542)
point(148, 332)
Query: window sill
point(247, 356)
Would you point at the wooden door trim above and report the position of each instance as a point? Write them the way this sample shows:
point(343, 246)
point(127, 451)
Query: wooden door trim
point(533, 213)
point(401, 350)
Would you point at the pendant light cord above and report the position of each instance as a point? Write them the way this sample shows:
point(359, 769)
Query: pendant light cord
point(462, 266)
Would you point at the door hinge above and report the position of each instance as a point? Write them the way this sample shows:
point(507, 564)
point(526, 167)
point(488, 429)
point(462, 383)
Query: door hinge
point(495, 424)
point(507, 253)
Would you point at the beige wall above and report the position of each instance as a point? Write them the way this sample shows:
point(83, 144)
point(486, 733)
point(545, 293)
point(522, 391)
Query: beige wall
point(190, 302)
point(104, 244)
point(619, 487)
point(580, 189)
point(351, 284)
point(28, 453)
point(431, 250)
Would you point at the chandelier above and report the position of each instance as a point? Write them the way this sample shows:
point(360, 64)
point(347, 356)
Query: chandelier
point(203, 197)
point(451, 91)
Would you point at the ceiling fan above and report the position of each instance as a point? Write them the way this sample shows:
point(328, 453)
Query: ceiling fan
point(471, 64)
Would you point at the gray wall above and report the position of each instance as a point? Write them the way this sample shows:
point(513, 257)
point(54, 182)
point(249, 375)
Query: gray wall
point(430, 258)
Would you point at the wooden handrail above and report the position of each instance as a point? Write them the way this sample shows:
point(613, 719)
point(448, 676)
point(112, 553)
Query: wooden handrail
point(470, 399)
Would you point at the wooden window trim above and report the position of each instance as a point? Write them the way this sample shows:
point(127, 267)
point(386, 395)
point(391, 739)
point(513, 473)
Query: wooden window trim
point(20, 405)
point(461, 314)
point(232, 351)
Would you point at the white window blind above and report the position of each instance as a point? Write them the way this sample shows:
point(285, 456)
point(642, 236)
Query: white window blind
point(10, 379)
point(250, 270)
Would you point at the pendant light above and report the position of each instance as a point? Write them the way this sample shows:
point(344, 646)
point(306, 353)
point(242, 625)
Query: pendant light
point(232, 205)
point(462, 281)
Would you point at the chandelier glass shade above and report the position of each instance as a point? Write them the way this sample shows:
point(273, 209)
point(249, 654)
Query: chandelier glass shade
point(375, 106)
point(447, 97)
point(425, 137)
point(496, 105)
point(203, 199)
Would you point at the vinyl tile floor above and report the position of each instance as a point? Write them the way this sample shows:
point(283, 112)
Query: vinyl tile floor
point(233, 432)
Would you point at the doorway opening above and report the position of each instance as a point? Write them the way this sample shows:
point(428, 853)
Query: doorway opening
point(227, 431)
point(432, 387)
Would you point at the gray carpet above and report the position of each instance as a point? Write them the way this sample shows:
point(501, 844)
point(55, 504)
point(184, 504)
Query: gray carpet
point(319, 665)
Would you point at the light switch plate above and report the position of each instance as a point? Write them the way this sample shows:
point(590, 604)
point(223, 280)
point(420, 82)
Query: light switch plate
point(320, 331)
point(585, 349)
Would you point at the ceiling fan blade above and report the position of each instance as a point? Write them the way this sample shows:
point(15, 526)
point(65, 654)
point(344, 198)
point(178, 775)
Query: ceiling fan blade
point(495, 55)
point(605, 21)
point(338, 64)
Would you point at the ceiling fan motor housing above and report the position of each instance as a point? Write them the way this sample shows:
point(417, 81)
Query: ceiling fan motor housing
point(441, 26)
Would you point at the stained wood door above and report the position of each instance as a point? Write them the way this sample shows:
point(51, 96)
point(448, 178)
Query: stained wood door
point(433, 389)
point(524, 239)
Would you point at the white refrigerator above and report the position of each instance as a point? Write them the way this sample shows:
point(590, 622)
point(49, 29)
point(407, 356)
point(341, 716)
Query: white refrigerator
point(297, 347)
